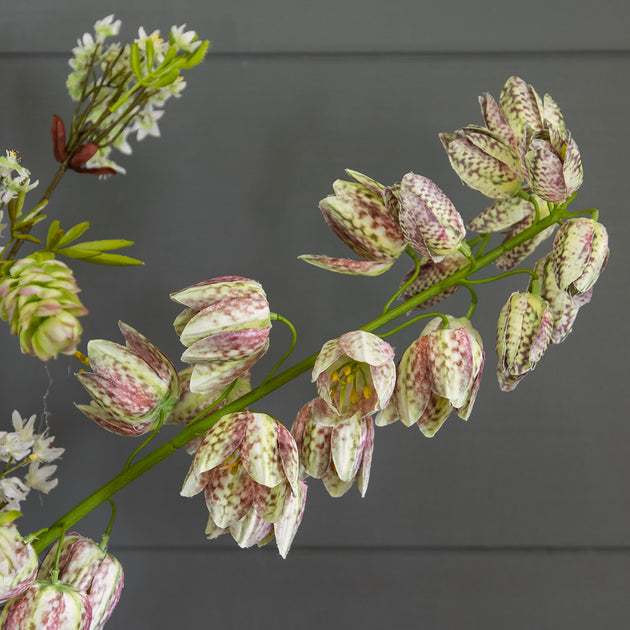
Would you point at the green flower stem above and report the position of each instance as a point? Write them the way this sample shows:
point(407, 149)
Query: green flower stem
point(149, 439)
point(199, 428)
point(473, 300)
point(533, 274)
point(105, 540)
point(411, 252)
point(414, 320)
point(285, 356)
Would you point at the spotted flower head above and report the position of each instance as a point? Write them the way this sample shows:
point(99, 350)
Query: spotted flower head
point(523, 334)
point(133, 387)
point(225, 328)
point(440, 372)
point(18, 560)
point(355, 373)
point(338, 455)
point(247, 465)
point(363, 214)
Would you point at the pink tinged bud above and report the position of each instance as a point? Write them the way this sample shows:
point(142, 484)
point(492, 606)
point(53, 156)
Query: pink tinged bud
point(563, 307)
point(495, 121)
point(225, 328)
point(355, 373)
point(18, 563)
point(521, 107)
point(132, 387)
point(360, 214)
point(439, 372)
point(523, 334)
point(484, 162)
point(86, 567)
point(428, 218)
point(579, 255)
point(48, 607)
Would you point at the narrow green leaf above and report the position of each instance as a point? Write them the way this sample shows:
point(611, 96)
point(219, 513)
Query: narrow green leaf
point(54, 235)
point(134, 59)
point(166, 79)
point(198, 55)
point(29, 221)
point(26, 237)
point(150, 54)
point(74, 233)
point(97, 257)
point(171, 53)
point(104, 245)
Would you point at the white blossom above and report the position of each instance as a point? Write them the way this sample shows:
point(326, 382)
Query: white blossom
point(12, 492)
point(37, 478)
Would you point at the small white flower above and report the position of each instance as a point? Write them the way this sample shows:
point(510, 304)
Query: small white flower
point(106, 28)
point(187, 41)
point(24, 431)
point(43, 449)
point(12, 492)
point(37, 478)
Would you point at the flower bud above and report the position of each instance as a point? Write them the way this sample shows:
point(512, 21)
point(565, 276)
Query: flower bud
point(428, 218)
point(580, 253)
point(18, 562)
point(523, 334)
point(521, 107)
point(86, 567)
point(133, 388)
point(39, 299)
point(49, 606)
point(225, 329)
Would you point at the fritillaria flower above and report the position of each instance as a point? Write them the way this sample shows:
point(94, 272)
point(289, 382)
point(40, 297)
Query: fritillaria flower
point(338, 455)
point(523, 334)
point(355, 373)
point(428, 219)
point(363, 214)
point(18, 560)
point(580, 253)
point(521, 108)
point(49, 606)
point(225, 328)
point(86, 567)
point(247, 461)
point(133, 387)
point(439, 372)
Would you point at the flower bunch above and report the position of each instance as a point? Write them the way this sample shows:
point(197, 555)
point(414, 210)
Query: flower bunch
point(14, 178)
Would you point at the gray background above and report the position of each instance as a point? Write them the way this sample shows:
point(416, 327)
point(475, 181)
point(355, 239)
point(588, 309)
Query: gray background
point(518, 518)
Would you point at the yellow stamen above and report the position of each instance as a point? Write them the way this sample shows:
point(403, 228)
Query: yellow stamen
point(335, 376)
point(354, 397)
point(367, 392)
point(350, 378)
point(347, 370)
point(82, 357)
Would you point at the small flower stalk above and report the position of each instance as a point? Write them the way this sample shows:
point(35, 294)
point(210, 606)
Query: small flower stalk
point(133, 387)
point(18, 560)
point(339, 455)
point(440, 372)
point(225, 328)
point(39, 299)
point(355, 374)
point(83, 565)
point(524, 331)
point(363, 213)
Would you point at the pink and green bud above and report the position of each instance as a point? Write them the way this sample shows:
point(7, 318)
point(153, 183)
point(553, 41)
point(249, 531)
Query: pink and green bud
point(579, 255)
point(133, 388)
point(440, 372)
point(362, 213)
point(484, 161)
point(45, 606)
point(495, 121)
point(338, 455)
point(428, 218)
point(38, 297)
point(225, 328)
point(564, 308)
point(84, 566)
point(18, 560)
point(523, 334)
point(355, 374)
point(521, 108)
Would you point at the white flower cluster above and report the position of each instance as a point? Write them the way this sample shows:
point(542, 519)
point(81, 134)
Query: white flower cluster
point(14, 178)
point(20, 448)
point(117, 78)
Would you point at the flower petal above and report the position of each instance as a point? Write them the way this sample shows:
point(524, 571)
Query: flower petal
point(348, 266)
point(347, 443)
point(259, 450)
point(229, 494)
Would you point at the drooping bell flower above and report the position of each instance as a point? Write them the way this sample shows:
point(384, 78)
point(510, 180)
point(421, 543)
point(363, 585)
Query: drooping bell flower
point(48, 606)
point(246, 461)
point(355, 373)
point(483, 161)
point(91, 570)
point(564, 308)
point(428, 219)
point(580, 253)
point(18, 560)
point(225, 328)
point(523, 334)
point(338, 455)
point(133, 387)
point(440, 372)
point(363, 214)
point(38, 297)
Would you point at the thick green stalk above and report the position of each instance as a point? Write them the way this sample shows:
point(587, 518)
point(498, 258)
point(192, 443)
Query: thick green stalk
point(204, 424)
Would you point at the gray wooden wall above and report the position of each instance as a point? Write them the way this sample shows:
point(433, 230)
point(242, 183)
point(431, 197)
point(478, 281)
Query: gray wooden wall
point(519, 518)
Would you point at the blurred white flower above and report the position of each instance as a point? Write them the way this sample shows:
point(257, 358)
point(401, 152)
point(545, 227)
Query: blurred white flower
point(37, 478)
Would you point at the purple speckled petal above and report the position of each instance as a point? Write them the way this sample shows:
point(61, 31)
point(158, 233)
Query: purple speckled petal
point(553, 116)
point(434, 416)
point(367, 182)
point(573, 173)
point(428, 218)
point(250, 530)
point(517, 254)
point(494, 119)
point(18, 563)
point(366, 347)
point(213, 531)
point(119, 426)
point(334, 486)
point(219, 442)
point(521, 107)
point(286, 528)
point(466, 407)
point(323, 413)
point(348, 266)
point(384, 381)
point(259, 450)
point(390, 414)
point(363, 475)
point(227, 346)
point(203, 294)
point(413, 385)
point(270, 503)
point(229, 494)
point(501, 215)
point(287, 448)
point(331, 351)
point(347, 443)
point(492, 145)
point(546, 171)
point(315, 444)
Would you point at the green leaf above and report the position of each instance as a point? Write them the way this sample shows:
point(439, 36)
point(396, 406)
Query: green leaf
point(26, 237)
point(150, 54)
point(198, 55)
point(74, 233)
point(97, 257)
point(54, 235)
point(134, 59)
point(104, 245)
point(171, 53)
point(166, 78)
